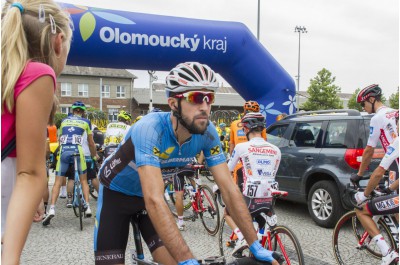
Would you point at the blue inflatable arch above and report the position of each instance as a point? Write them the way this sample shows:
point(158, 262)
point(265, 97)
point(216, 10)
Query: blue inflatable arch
point(128, 40)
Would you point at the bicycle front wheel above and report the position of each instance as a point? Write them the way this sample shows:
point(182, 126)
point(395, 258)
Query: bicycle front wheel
point(284, 241)
point(227, 242)
point(346, 237)
point(209, 212)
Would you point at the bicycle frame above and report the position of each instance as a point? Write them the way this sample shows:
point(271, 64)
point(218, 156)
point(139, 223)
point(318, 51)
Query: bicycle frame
point(77, 183)
point(195, 195)
point(389, 220)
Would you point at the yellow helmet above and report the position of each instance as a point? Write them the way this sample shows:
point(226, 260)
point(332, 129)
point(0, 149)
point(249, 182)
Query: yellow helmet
point(137, 119)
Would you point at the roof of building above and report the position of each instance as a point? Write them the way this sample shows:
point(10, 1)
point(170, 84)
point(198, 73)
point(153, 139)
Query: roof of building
point(94, 71)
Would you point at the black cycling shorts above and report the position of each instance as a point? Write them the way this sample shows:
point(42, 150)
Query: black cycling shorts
point(90, 172)
point(256, 206)
point(179, 178)
point(384, 205)
point(114, 214)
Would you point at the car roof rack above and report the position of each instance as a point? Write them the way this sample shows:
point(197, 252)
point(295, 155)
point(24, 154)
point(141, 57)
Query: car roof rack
point(350, 112)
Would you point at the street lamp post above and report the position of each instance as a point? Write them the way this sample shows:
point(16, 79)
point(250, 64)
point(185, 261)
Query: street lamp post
point(152, 78)
point(299, 29)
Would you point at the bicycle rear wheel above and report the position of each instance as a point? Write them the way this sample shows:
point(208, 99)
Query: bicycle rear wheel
point(210, 216)
point(345, 239)
point(171, 198)
point(285, 242)
point(78, 210)
point(227, 242)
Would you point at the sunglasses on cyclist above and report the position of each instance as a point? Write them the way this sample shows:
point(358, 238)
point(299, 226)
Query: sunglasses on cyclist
point(198, 97)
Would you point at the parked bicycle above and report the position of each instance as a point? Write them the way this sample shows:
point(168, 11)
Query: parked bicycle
point(351, 242)
point(198, 197)
point(273, 237)
point(78, 202)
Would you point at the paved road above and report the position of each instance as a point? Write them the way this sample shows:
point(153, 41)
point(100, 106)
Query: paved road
point(63, 243)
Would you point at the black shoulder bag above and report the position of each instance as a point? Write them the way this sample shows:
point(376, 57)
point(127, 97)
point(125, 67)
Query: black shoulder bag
point(9, 148)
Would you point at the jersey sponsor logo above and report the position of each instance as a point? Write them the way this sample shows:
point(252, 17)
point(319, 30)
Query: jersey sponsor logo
point(263, 162)
point(71, 129)
point(387, 204)
point(233, 153)
point(262, 172)
point(177, 159)
point(262, 150)
point(246, 159)
point(390, 150)
point(240, 133)
point(117, 126)
point(371, 130)
point(215, 150)
point(165, 154)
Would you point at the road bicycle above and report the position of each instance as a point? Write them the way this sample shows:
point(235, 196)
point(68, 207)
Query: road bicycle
point(139, 258)
point(351, 242)
point(273, 237)
point(78, 202)
point(199, 198)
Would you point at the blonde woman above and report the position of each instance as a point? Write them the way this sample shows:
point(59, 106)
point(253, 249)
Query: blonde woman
point(35, 41)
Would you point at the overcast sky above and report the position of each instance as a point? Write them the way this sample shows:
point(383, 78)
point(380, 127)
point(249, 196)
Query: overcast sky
point(356, 40)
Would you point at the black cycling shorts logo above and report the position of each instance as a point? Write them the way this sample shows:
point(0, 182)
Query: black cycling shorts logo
point(215, 150)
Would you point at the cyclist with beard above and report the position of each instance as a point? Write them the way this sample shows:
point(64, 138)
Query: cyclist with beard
point(159, 144)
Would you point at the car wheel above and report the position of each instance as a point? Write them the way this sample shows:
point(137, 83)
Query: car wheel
point(324, 203)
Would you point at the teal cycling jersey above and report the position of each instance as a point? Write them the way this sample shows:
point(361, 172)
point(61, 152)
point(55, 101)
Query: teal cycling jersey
point(72, 130)
point(152, 142)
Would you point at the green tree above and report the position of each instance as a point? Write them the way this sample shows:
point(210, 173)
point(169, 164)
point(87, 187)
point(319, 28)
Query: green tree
point(323, 93)
point(352, 104)
point(58, 117)
point(394, 100)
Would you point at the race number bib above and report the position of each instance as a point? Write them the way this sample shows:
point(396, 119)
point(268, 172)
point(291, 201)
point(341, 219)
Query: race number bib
point(77, 139)
point(73, 139)
point(258, 188)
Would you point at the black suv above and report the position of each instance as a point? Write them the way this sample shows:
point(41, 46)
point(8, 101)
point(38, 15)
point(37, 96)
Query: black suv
point(320, 150)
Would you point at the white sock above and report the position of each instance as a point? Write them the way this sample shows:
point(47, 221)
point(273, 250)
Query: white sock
point(64, 189)
point(383, 246)
point(238, 233)
point(180, 220)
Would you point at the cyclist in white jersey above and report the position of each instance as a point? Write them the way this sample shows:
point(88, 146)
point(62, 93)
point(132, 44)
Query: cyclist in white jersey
point(382, 125)
point(388, 204)
point(260, 161)
point(116, 132)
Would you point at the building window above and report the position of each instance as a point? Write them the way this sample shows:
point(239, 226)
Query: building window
point(65, 110)
point(144, 112)
point(120, 92)
point(112, 114)
point(83, 90)
point(105, 91)
point(66, 89)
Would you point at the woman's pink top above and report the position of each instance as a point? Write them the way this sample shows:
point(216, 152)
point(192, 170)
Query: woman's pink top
point(32, 71)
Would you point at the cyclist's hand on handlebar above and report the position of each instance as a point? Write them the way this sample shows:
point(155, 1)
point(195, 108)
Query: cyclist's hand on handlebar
point(387, 190)
point(189, 262)
point(261, 253)
point(354, 178)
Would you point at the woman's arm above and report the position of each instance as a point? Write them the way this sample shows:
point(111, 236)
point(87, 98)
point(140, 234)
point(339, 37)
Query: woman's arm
point(33, 108)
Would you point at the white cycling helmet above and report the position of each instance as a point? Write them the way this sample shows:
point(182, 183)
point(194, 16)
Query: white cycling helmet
point(190, 76)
